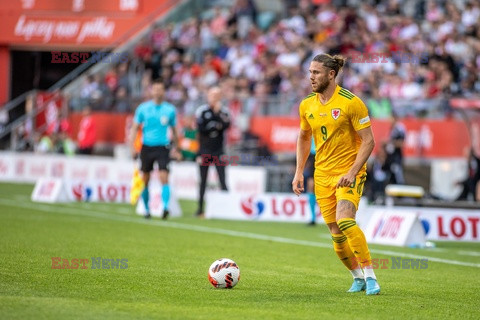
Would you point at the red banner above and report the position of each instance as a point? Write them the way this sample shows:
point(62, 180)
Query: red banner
point(110, 127)
point(427, 138)
point(74, 23)
point(51, 103)
point(461, 103)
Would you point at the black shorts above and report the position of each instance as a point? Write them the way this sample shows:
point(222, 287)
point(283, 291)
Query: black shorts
point(160, 154)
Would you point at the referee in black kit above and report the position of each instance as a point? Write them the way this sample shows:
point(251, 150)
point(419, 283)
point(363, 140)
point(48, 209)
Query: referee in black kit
point(212, 121)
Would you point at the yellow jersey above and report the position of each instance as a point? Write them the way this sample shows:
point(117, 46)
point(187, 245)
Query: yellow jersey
point(334, 125)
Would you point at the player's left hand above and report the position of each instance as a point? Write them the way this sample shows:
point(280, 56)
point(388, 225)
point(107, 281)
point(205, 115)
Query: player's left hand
point(346, 180)
point(176, 154)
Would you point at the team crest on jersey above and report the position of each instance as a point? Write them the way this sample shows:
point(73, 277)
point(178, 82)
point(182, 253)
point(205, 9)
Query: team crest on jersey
point(164, 120)
point(335, 113)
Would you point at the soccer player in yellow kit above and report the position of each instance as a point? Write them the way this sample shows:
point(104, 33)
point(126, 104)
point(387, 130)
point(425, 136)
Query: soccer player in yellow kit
point(344, 140)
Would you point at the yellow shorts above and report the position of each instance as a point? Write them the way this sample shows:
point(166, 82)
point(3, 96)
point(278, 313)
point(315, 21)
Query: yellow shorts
point(327, 195)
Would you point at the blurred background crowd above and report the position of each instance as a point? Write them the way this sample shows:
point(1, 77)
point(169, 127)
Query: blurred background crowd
point(261, 58)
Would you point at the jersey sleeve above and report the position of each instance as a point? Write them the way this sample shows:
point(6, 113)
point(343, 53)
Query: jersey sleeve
point(304, 125)
point(173, 118)
point(138, 117)
point(359, 115)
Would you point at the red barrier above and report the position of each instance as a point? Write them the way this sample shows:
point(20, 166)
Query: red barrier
point(88, 23)
point(48, 117)
point(111, 127)
point(428, 138)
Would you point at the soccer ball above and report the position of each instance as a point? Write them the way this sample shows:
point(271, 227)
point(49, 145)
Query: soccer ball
point(224, 273)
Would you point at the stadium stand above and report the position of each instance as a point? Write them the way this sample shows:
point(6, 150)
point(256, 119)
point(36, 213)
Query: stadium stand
point(259, 56)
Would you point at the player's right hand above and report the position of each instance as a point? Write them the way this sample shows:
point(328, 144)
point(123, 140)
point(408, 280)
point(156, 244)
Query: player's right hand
point(297, 184)
point(134, 153)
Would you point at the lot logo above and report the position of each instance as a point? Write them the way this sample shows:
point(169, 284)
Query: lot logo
point(425, 225)
point(96, 263)
point(82, 194)
point(252, 208)
point(243, 158)
point(100, 191)
point(388, 227)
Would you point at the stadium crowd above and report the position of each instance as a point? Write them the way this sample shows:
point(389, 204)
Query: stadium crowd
point(260, 59)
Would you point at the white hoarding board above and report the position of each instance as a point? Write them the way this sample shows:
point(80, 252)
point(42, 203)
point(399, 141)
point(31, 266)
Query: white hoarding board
point(390, 228)
point(282, 207)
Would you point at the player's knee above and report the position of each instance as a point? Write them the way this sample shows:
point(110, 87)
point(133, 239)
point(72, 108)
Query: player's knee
point(344, 216)
point(333, 228)
point(163, 174)
point(146, 177)
point(345, 209)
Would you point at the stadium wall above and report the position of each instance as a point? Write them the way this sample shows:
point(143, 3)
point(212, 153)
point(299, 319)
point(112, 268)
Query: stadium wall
point(439, 224)
point(102, 172)
point(430, 139)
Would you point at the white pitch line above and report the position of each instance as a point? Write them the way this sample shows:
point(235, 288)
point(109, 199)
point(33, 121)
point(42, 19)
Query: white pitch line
point(105, 207)
point(469, 253)
point(169, 224)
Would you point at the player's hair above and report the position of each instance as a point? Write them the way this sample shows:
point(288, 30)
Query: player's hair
point(215, 86)
point(335, 63)
point(158, 81)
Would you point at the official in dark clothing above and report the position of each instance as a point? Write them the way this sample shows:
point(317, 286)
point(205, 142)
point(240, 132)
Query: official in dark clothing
point(394, 149)
point(212, 121)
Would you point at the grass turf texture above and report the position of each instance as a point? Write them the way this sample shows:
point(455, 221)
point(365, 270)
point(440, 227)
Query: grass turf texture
point(166, 276)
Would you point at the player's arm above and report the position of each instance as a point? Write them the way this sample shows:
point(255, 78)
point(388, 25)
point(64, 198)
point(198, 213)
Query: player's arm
point(202, 122)
point(177, 154)
point(131, 136)
point(366, 148)
point(224, 119)
point(137, 120)
point(176, 145)
point(304, 143)
point(175, 137)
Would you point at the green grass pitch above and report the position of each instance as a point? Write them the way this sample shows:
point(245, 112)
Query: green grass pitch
point(288, 271)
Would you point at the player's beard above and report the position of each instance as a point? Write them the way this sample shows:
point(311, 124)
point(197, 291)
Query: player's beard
point(322, 86)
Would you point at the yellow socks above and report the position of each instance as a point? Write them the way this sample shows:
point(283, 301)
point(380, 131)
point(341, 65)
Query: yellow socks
point(356, 240)
point(343, 251)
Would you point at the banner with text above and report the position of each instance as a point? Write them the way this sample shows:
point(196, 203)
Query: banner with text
point(438, 223)
point(281, 207)
point(388, 228)
point(110, 179)
point(61, 23)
